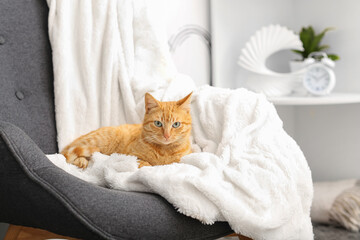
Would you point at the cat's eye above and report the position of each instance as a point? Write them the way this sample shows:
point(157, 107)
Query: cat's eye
point(176, 125)
point(158, 123)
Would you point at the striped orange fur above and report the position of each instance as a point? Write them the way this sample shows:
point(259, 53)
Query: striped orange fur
point(162, 138)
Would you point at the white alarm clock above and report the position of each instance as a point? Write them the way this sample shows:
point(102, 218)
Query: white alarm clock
point(319, 78)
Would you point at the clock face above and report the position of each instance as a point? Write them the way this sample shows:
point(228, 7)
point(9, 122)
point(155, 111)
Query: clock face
point(319, 79)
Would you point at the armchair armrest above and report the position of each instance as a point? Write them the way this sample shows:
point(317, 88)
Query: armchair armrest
point(36, 193)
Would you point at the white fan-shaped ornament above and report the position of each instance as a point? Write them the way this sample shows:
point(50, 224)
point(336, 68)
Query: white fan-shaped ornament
point(262, 45)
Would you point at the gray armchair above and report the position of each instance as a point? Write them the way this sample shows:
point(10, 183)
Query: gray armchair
point(34, 192)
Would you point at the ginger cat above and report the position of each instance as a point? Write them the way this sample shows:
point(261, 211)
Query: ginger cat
point(162, 138)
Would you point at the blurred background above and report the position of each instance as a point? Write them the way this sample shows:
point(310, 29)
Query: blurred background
point(328, 134)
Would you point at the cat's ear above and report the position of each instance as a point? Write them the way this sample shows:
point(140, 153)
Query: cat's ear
point(150, 102)
point(185, 102)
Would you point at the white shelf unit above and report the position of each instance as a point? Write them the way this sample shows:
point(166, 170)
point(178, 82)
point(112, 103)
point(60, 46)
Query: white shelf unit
point(332, 99)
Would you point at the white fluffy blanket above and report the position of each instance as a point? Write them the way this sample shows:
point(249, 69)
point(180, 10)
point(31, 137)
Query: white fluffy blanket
point(245, 170)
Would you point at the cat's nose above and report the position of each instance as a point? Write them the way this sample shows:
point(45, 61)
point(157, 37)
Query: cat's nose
point(166, 136)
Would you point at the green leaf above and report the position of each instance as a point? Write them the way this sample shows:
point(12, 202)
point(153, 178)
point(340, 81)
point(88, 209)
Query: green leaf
point(297, 51)
point(314, 47)
point(306, 37)
point(323, 47)
point(333, 57)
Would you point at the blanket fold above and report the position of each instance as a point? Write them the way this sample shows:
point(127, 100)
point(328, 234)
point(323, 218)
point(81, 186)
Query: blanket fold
point(245, 169)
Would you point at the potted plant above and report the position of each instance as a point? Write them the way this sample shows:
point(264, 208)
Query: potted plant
point(311, 43)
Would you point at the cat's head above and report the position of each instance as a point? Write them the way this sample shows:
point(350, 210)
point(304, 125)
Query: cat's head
point(167, 122)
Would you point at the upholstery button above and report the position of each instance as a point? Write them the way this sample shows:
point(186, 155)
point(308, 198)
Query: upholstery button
point(2, 40)
point(19, 95)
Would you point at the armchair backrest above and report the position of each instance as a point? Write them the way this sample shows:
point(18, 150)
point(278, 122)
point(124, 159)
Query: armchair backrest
point(26, 75)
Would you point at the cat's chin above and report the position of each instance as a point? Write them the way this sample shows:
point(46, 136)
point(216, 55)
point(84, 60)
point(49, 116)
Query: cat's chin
point(166, 142)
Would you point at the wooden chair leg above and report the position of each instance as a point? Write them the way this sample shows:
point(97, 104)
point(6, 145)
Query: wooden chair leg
point(241, 237)
point(13, 232)
point(27, 233)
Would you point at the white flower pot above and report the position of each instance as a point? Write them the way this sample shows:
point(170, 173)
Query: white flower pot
point(294, 67)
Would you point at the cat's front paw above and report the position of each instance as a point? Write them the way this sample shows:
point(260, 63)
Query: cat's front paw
point(143, 163)
point(81, 162)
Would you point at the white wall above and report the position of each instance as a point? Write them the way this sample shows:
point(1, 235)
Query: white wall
point(328, 135)
point(192, 57)
point(330, 139)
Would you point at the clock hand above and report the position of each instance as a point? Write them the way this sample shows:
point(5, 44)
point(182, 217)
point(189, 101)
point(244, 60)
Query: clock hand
point(312, 75)
point(324, 75)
